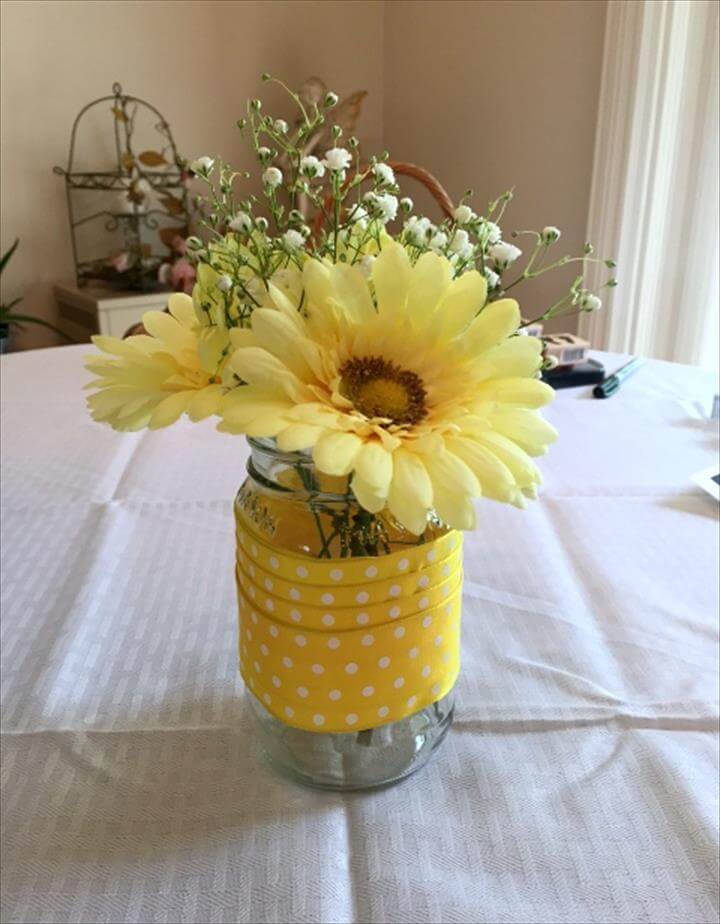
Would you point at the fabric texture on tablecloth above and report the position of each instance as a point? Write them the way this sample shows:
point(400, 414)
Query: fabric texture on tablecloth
point(578, 784)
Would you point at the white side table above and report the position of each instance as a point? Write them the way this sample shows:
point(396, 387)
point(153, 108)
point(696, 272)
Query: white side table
point(97, 310)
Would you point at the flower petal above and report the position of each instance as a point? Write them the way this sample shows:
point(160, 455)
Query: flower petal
point(182, 309)
point(463, 300)
point(518, 356)
point(495, 323)
point(429, 282)
point(391, 277)
point(298, 436)
point(496, 479)
point(259, 367)
point(454, 484)
point(526, 428)
point(334, 453)
point(374, 466)
point(411, 494)
point(169, 409)
point(366, 496)
point(516, 392)
point(205, 402)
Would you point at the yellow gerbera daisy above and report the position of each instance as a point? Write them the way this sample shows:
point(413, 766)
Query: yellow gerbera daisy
point(179, 367)
point(406, 381)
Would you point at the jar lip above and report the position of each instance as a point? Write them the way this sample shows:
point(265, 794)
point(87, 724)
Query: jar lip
point(268, 444)
point(301, 458)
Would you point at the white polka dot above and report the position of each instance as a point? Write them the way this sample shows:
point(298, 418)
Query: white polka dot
point(446, 570)
point(351, 668)
point(264, 649)
point(368, 640)
point(327, 599)
point(328, 619)
point(253, 570)
point(395, 590)
point(300, 640)
point(335, 695)
point(411, 702)
point(384, 662)
point(448, 609)
point(302, 692)
point(336, 574)
point(254, 617)
point(295, 615)
point(274, 631)
point(274, 563)
point(248, 634)
point(446, 657)
point(427, 622)
point(431, 555)
point(423, 602)
point(257, 666)
point(253, 592)
point(399, 632)
point(276, 681)
point(371, 572)
point(394, 612)
point(414, 652)
point(318, 669)
point(319, 719)
point(399, 682)
point(301, 571)
point(351, 719)
point(453, 542)
point(368, 691)
point(383, 711)
point(363, 597)
point(435, 689)
point(287, 662)
point(403, 564)
point(438, 641)
point(268, 584)
point(362, 619)
point(426, 671)
point(289, 711)
point(269, 605)
point(267, 698)
point(254, 549)
point(333, 643)
point(294, 593)
point(424, 581)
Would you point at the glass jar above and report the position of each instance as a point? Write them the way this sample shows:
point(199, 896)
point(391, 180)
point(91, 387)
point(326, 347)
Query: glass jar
point(290, 506)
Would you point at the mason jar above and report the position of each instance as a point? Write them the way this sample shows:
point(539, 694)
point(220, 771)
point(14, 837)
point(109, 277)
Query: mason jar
point(349, 626)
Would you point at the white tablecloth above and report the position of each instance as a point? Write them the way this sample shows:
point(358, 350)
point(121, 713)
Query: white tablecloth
point(578, 783)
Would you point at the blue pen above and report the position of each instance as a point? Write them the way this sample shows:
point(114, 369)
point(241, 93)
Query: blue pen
point(613, 382)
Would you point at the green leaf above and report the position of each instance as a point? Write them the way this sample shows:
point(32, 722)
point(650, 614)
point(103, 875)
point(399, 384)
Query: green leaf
point(6, 256)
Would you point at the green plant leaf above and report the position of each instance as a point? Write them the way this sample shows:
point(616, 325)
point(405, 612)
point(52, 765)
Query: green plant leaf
point(8, 253)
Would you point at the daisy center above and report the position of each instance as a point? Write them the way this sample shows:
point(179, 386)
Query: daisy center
point(378, 388)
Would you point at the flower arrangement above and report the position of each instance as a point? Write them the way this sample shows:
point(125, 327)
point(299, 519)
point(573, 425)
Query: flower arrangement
point(394, 358)
point(385, 380)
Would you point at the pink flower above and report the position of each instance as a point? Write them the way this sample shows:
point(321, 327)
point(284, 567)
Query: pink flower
point(120, 263)
point(182, 276)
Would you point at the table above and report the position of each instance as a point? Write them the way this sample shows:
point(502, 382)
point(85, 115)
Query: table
point(578, 784)
point(99, 309)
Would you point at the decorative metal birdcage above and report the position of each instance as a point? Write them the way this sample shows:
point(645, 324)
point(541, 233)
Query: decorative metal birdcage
point(123, 215)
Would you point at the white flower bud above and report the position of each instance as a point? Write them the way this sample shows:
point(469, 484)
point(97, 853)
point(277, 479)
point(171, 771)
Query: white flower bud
point(224, 283)
point(383, 205)
point(202, 165)
point(406, 204)
point(492, 232)
point(590, 302)
point(193, 243)
point(366, 264)
point(293, 239)
point(311, 167)
point(503, 254)
point(461, 246)
point(242, 223)
point(550, 234)
point(463, 214)
point(438, 242)
point(331, 99)
point(417, 230)
point(264, 153)
point(261, 224)
point(142, 187)
point(281, 126)
point(384, 174)
point(272, 177)
point(492, 277)
point(338, 159)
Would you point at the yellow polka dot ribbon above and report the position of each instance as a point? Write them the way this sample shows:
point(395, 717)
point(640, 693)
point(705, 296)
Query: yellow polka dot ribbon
point(346, 644)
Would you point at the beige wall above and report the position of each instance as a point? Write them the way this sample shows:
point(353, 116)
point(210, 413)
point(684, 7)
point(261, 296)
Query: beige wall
point(486, 94)
point(197, 62)
point(490, 94)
